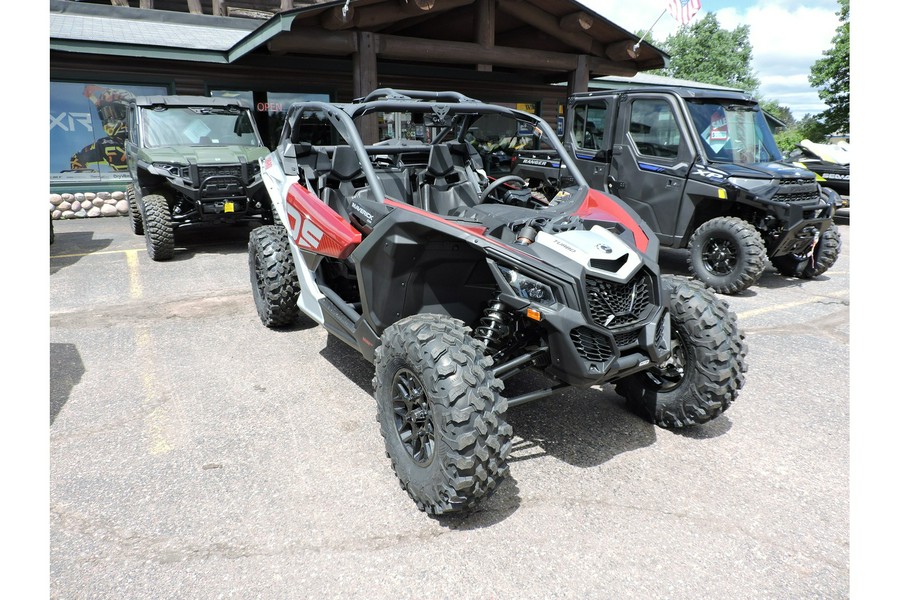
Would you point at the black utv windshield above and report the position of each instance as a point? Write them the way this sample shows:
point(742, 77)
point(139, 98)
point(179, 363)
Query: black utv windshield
point(733, 132)
point(198, 126)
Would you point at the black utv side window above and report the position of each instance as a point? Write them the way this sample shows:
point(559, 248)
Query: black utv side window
point(653, 128)
point(589, 125)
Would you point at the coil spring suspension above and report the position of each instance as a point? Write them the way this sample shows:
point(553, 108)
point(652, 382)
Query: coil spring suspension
point(493, 328)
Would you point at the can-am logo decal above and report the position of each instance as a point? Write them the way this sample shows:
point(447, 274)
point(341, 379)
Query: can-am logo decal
point(604, 248)
point(304, 232)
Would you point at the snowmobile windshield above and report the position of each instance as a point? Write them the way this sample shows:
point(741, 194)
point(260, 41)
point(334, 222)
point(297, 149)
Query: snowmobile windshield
point(198, 126)
point(733, 132)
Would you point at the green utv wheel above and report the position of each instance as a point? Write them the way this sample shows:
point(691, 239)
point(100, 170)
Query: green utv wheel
point(441, 414)
point(134, 213)
point(158, 229)
point(273, 276)
point(823, 257)
point(706, 369)
point(727, 254)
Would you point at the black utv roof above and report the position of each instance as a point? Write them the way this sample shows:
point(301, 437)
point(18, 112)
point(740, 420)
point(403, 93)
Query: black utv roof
point(684, 92)
point(188, 101)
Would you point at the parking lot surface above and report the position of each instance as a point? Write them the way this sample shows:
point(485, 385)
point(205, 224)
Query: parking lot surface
point(196, 454)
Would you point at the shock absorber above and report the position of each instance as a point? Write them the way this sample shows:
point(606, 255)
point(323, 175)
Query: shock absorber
point(493, 328)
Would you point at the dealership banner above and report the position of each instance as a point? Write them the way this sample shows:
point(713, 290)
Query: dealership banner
point(88, 130)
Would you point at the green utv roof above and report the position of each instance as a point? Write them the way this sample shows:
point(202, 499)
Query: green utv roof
point(188, 101)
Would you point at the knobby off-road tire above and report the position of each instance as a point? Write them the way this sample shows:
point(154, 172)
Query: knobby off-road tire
point(441, 413)
point(273, 276)
point(727, 254)
point(823, 257)
point(137, 223)
point(158, 229)
point(702, 377)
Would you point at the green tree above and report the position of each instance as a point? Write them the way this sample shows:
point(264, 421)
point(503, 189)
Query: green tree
point(703, 51)
point(831, 74)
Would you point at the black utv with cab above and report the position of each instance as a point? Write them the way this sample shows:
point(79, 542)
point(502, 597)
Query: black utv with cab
point(701, 167)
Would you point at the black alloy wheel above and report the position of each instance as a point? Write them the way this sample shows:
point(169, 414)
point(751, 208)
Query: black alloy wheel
point(413, 417)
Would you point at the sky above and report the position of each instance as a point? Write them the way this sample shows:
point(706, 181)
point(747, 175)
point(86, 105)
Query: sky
point(787, 36)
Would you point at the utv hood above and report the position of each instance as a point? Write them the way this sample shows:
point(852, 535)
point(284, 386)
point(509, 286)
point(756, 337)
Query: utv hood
point(206, 155)
point(766, 170)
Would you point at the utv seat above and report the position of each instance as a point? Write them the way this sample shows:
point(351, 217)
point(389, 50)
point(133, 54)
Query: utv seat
point(445, 184)
point(301, 159)
point(344, 181)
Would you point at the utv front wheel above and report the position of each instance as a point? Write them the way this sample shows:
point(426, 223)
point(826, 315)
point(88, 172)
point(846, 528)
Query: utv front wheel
point(823, 257)
point(137, 223)
point(441, 413)
point(727, 254)
point(273, 276)
point(158, 229)
point(706, 369)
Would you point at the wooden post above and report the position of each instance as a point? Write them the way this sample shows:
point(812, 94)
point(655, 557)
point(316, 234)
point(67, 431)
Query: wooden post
point(578, 79)
point(218, 8)
point(365, 79)
point(485, 26)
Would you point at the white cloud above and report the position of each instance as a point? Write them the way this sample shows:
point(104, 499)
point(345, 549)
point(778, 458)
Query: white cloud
point(787, 38)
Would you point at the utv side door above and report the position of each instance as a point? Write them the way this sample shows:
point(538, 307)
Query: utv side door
point(588, 136)
point(650, 161)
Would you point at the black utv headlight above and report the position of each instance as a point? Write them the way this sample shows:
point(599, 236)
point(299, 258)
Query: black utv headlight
point(528, 288)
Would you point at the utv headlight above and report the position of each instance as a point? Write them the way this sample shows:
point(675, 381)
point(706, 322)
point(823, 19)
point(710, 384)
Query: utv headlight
point(169, 169)
point(751, 185)
point(528, 288)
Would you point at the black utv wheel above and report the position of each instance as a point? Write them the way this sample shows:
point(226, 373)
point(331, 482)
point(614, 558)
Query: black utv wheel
point(158, 229)
point(727, 254)
point(273, 276)
point(441, 413)
point(706, 369)
point(134, 213)
point(823, 257)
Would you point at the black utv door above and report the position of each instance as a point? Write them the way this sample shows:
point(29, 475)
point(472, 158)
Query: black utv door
point(588, 139)
point(650, 160)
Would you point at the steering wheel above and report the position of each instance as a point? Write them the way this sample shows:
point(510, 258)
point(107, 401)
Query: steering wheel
point(497, 183)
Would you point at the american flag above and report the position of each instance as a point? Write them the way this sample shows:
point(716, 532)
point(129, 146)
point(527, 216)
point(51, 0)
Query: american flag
point(683, 10)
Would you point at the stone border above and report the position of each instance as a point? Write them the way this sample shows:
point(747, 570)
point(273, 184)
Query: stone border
point(83, 205)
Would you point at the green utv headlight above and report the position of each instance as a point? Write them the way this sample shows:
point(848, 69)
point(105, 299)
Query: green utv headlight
point(528, 288)
point(172, 170)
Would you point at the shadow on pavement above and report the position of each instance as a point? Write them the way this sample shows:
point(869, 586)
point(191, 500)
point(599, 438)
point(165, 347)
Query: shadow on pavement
point(71, 246)
point(66, 370)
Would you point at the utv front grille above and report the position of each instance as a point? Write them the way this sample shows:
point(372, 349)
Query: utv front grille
point(230, 171)
point(591, 345)
point(800, 191)
point(616, 305)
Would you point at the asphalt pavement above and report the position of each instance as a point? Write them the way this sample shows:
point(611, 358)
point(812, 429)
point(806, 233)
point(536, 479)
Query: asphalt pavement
point(196, 454)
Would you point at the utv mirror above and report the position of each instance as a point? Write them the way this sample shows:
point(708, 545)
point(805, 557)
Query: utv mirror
point(243, 124)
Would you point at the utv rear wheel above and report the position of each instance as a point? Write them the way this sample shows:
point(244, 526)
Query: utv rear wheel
point(727, 254)
point(824, 255)
point(273, 276)
point(158, 229)
point(137, 223)
point(706, 369)
point(441, 414)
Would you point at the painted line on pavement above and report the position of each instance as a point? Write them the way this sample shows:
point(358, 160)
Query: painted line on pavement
point(96, 253)
point(134, 276)
point(779, 307)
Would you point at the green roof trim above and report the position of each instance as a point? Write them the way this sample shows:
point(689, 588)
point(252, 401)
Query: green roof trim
point(277, 24)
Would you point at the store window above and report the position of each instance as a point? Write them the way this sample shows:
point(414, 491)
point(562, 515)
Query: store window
point(88, 129)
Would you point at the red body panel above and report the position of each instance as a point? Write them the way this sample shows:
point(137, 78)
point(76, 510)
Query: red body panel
point(315, 226)
point(597, 206)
